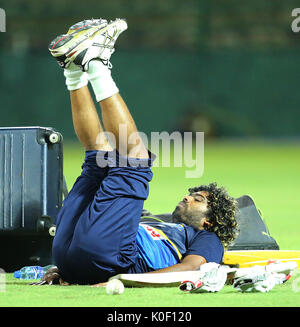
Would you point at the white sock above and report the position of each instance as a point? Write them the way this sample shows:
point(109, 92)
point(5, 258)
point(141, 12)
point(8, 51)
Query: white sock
point(100, 78)
point(75, 77)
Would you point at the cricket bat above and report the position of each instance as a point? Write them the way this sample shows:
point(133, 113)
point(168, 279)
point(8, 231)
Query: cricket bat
point(174, 279)
point(249, 258)
point(171, 279)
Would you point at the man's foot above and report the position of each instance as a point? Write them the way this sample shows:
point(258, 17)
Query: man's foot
point(78, 35)
point(87, 40)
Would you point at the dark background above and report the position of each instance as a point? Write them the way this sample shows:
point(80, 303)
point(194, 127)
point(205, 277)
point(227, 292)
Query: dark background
point(226, 67)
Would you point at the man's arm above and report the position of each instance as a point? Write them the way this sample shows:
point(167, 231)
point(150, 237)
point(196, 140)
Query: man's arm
point(190, 262)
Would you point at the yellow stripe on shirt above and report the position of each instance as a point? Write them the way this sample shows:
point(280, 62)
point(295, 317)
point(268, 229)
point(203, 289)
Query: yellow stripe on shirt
point(166, 237)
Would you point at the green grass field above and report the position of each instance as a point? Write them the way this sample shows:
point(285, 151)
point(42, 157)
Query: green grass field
point(267, 171)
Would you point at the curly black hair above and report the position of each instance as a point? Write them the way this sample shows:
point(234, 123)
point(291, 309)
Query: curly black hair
point(222, 212)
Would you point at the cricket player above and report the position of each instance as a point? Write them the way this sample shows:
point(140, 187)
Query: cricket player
point(98, 230)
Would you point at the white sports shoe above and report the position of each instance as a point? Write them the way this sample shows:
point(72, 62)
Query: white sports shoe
point(87, 40)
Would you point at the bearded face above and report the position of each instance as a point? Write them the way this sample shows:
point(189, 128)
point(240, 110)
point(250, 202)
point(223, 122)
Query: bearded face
point(192, 210)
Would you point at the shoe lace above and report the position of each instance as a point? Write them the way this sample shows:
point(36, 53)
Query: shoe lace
point(107, 63)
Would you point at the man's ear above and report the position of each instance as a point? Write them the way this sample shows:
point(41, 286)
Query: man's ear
point(206, 222)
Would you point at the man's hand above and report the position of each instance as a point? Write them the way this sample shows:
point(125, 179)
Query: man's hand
point(189, 263)
point(100, 284)
point(52, 277)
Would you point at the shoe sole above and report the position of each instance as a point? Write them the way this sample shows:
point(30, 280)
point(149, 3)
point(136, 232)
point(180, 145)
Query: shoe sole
point(72, 30)
point(83, 37)
point(82, 42)
point(79, 37)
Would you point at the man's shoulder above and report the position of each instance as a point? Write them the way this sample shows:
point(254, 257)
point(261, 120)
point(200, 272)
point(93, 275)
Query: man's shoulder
point(201, 233)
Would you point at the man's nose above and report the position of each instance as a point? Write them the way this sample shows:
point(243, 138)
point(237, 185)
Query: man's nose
point(187, 198)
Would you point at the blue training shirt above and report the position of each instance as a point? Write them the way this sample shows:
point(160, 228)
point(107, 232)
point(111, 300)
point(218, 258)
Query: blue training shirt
point(162, 245)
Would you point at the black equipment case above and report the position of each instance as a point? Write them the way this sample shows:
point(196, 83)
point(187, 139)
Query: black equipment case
point(31, 189)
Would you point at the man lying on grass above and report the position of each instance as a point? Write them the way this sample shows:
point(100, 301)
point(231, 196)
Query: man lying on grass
point(98, 230)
